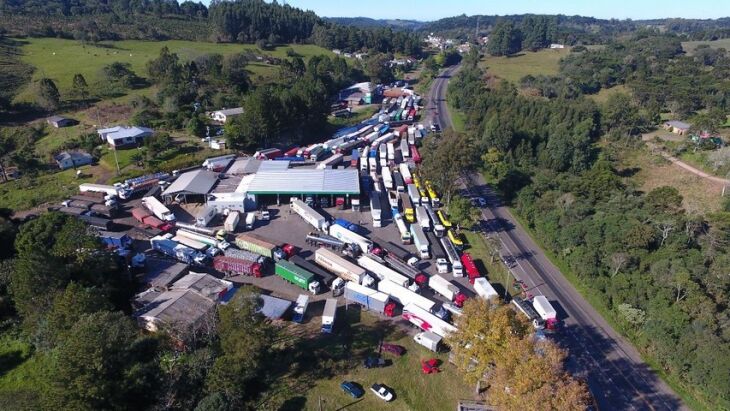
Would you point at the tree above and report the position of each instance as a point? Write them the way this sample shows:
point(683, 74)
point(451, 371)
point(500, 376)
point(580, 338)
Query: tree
point(444, 161)
point(47, 95)
point(68, 307)
point(80, 88)
point(504, 40)
point(463, 213)
point(165, 68)
point(376, 67)
point(196, 126)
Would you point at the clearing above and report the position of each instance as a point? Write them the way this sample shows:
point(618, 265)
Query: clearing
point(513, 68)
point(690, 46)
point(603, 95)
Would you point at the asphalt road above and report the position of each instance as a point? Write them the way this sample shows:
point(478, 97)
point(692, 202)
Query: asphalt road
point(612, 367)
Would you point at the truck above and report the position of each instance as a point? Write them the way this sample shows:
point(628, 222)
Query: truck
point(420, 241)
point(430, 340)
point(144, 217)
point(328, 315)
point(78, 204)
point(526, 308)
point(404, 149)
point(246, 255)
point(297, 276)
point(251, 220)
point(158, 209)
point(387, 178)
point(348, 225)
point(107, 190)
point(195, 245)
point(391, 151)
point(343, 234)
point(409, 213)
point(436, 250)
point(419, 279)
point(231, 222)
point(422, 217)
point(135, 185)
point(382, 272)
point(300, 308)
point(375, 209)
point(312, 217)
point(237, 266)
point(257, 244)
point(405, 296)
point(438, 228)
point(447, 289)
point(484, 289)
point(205, 216)
point(104, 210)
point(340, 266)
point(469, 267)
point(426, 321)
point(364, 161)
point(546, 311)
point(96, 222)
point(396, 251)
point(327, 241)
point(373, 164)
point(370, 299)
point(165, 245)
point(456, 268)
point(398, 183)
point(267, 154)
point(414, 195)
point(330, 162)
point(115, 240)
point(405, 235)
point(324, 277)
point(208, 240)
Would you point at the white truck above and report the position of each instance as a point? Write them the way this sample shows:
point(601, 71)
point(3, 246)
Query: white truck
point(341, 267)
point(387, 178)
point(158, 209)
point(405, 150)
point(376, 210)
point(430, 340)
point(446, 288)
point(343, 234)
point(426, 321)
point(422, 216)
point(405, 296)
point(314, 218)
point(250, 220)
point(231, 222)
point(457, 269)
point(382, 272)
point(420, 241)
point(545, 310)
point(300, 308)
point(383, 152)
point(364, 159)
point(205, 239)
point(110, 191)
point(373, 164)
point(405, 235)
point(328, 316)
point(391, 151)
point(438, 228)
point(205, 216)
point(484, 289)
point(405, 172)
point(413, 194)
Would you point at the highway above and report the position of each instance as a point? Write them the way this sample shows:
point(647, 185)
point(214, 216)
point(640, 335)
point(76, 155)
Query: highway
point(612, 367)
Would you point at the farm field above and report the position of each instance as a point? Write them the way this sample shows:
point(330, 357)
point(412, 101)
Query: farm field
point(690, 46)
point(513, 68)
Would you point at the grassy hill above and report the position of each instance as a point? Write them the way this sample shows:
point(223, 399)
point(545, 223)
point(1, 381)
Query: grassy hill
point(513, 68)
point(13, 72)
point(690, 46)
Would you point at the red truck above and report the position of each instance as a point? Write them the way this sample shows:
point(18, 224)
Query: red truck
point(144, 217)
point(237, 266)
point(415, 154)
point(470, 267)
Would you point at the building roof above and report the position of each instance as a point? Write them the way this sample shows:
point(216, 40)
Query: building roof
point(73, 155)
point(679, 124)
point(274, 165)
point(303, 181)
point(178, 307)
point(244, 165)
point(193, 182)
point(56, 119)
point(272, 307)
point(230, 111)
point(124, 132)
point(203, 284)
point(162, 273)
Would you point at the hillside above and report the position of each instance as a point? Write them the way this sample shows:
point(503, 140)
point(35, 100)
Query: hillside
point(367, 22)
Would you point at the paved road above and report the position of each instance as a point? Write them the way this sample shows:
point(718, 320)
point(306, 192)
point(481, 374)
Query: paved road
point(616, 375)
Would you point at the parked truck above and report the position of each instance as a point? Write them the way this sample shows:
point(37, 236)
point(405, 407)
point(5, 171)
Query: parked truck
point(430, 340)
point(115, 240)
point(237, 266)
point(341, 267)
point(370, 299)
point(144, 217)
point(405, 296)
point(297, 276)
point(438, 228)
point(251, 219)
point(375, 209)
point(420, 241)
point(328, 315)
point(484, 289)
point(183, 253)
point(419, 279)
point(104, 210)
point(107, 190)
point(526, 308)
point(260, 245)
point(426, 321)
point(457, 268)
point(158, 209)
point(324, 277)
point(447, 289)
point(231, 222)
point(382, 272)
point(205, 216)
point(246, 255)
point(469, 266)
point(396, 251)
point(349, 225)
point(300, 308)
point(546, 311)
point(210, 241)
point(343, 234)
point(422, 217)
point(308, 214)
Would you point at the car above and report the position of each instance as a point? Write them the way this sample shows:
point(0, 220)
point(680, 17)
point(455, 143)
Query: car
point(374, 362)
point(383, 392)
point(352, 388)
point(394, 349)
point(441, 312)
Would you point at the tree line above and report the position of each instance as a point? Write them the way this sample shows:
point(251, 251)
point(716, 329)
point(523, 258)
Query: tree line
point(656, 267)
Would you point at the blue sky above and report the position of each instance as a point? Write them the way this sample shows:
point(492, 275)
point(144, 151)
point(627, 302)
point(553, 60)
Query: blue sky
point(435, 9)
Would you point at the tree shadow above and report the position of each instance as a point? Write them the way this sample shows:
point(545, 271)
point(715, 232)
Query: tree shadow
point(10, 360)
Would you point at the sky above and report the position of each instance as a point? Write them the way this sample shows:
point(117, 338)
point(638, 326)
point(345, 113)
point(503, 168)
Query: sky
point(436, 9)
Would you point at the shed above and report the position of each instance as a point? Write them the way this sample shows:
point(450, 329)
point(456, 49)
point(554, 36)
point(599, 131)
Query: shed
point(224, 115)
point(304, 181)
point(197, 182)
point(204, 284)
point(179, 311)
point(244, 165)
point(162, 273)
point(677, 127)
point(73, 159)
point(124, 136)
point(60, 121)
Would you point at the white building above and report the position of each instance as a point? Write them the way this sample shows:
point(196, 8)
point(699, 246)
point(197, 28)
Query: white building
point(226, 114)
point(124, 136)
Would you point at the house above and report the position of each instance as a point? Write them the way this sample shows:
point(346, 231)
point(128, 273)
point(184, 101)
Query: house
point(224, 115)
point(124, 136)
point(73, 159)
point(677, 127)
point(58, 121)
point(557, 46)
point(359, 93)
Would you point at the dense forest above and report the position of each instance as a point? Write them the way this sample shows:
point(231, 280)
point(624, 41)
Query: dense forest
point(660, 270)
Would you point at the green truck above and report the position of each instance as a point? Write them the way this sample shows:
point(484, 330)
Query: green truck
point(260, 245)
point(297, 276)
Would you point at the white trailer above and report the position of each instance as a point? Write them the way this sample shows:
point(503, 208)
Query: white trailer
point(328, 316)
point(205, 215)
point(405, 296)
point(411, 135)
point(382, 272)
point(340, 267)
point(194, 244)
point(427, 321)
point(343, 234)
point(420, 241)
point(391, 151)
point(308, 214)
point(110, 191)
point(484, 289)
point(229, 201)
point(544, 308)
point(373, 164)
point(330, 162)
point(376, 210)
point(158, 209)
point(430, 340)
point(250, 220)
point(404, 149)
point(423, 220)
point(232, 221)
point(202, 238)
point(364, 159)
point(383, 152)
point(456, 267)
point(300, 308)
point(387, 178)
point(438, 228)
point(443, 287)
point(414, 195)
point(405, 235)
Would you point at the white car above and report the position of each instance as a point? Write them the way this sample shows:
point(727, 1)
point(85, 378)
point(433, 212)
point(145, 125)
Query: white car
point(382, 392)
point(442, 265)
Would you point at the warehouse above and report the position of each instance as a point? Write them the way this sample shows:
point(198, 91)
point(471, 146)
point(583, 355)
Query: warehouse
point(192, 186)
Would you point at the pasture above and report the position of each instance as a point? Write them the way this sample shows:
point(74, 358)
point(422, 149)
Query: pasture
point(513, 68)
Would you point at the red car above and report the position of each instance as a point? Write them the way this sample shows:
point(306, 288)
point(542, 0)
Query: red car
point(394, 349)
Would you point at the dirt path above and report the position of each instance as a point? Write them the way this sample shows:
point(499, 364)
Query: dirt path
point(674, 160)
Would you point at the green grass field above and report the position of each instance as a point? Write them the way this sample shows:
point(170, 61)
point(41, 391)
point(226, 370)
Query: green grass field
point(690, 46)
point(603, 95)
point(60, 59)
point(28, 192)
point(513, 68)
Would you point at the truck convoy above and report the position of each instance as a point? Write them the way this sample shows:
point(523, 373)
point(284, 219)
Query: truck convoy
point(382, 272)
point(370, 299)
point(342, 267)
point(297, 276)
point(237, 266)
point(328, 316)
point(308, 214)
point(158, 209)
point(183, 253)
point(426, 321)
point(447, 289)
point(258, 244)
point(300, 308)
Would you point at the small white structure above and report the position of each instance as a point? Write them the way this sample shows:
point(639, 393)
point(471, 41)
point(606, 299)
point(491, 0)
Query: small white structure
point(72, 159)
point(557, 46)
point(124, 136)
point(226, 114)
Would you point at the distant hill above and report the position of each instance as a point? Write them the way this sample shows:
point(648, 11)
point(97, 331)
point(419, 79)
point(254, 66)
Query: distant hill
point(367, 22)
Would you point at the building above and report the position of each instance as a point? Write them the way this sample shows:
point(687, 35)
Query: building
point(124, 136)
point(677, 127)
point(226, 114)
point(162, 273)
point(557, 46)
point(359, 93)
point(463, 48)
point(73, 159)
point(273, 308)
point(204, 284)
point(59, 121)
point(193, 185)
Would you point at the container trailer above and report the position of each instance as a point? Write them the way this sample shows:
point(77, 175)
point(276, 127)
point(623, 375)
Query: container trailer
point(526, 308)
point(328, 315)
point(456, 267)
point(312, 217)
point(420, 241)
point(371, 300)
point(484, 289)
point(405, 296)
point(165, 245)
point(300, 308)
point(297, 276)
point(158, 209)
point(382, 272)
point(231, 222)
point(195, 245)
point(405, 235)
point(343, 268)
point(257, 244)
point(422, 217)
point(205, 239)
point(343, 234)
point(438, 228)
point(387, 178)
point(405, 149)
point(419, 279)
point(430, 340)
point(447, 289)
point(324, 277)
point(375, 209)
point(237, 266)
point(205, 216)
point(546, 311)
point(398, 182)
point(471, 269)
point(426, 321)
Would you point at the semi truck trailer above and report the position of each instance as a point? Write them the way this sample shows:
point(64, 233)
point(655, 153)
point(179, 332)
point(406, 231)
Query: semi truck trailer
point(297, 276)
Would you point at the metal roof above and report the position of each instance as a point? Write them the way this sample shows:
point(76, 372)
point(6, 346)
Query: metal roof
point(161, 273)
point(303, 181)
point(272, 307)
point(245, 165)
point(679, 124)
point(178, 308)
point(194, 182)
point(204, 284)
point(273, 165)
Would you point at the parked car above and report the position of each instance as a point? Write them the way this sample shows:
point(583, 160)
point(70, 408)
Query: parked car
point(352, 388)
point(394, 349)
point(383, 392)
point(374, 362)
